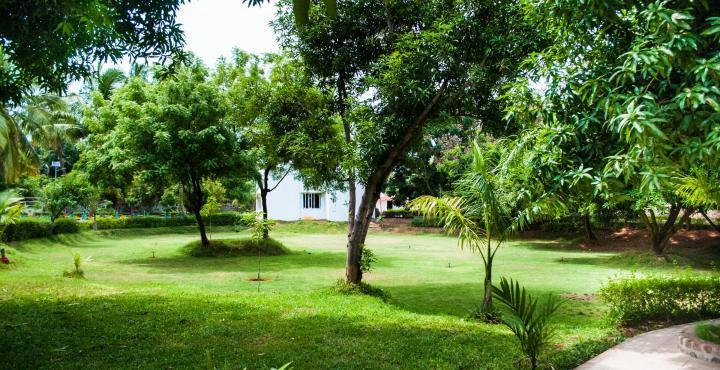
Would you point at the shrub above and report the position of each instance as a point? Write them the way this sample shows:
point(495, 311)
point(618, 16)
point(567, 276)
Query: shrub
point(65, 226)
point(217, 219)
point(398, 213)
point(708, 332)
point(422, 221)
point(237, 247)
point(528, 320)
point(27, 228)
point(635, 300)
point(367, 258)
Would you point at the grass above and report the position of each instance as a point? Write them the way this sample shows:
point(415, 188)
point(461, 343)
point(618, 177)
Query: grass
point(708, 332)
point(146, 303)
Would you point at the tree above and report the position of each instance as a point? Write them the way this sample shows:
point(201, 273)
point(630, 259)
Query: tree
point(66, 192)
point(10, 208)
point(483, 211)
point(172, 131)
point(215, 197)
point(284, 119)
point(647, 79)
point(51, 43)
point(429, 60)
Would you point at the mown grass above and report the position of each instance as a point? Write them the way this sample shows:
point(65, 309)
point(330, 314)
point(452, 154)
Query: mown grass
point(145, 303)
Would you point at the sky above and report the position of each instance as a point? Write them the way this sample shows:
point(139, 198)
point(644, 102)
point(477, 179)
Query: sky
point(213, 27)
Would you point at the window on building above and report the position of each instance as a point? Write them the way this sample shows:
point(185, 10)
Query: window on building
point(311, 200)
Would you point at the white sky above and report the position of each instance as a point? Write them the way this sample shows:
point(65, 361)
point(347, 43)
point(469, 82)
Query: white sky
point(213, 27)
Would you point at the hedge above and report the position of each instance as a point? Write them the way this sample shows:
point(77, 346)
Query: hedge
point(398, 213)
point(28, 228)
point(636, 300)
point(218, 219)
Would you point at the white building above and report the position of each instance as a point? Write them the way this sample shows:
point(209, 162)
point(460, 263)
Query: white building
point(292, 201)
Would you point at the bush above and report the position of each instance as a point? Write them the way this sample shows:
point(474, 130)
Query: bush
point(27, 228)
point(398, 213)
point(218, 219)
point(708, 332)
point(65, 226)
point(237, 247)
point(635, 300)
point(421, 221)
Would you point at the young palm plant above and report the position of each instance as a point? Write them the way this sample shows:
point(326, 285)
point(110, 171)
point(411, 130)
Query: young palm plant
point(481, 213)
point(10, 208)
point(529, 321)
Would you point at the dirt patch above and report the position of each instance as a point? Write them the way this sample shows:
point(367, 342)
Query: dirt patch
point(626, 239)
point(258, 279)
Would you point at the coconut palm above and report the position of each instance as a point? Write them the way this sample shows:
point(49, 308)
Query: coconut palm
point(108, 81)
point(483, 212)
point(16, 153)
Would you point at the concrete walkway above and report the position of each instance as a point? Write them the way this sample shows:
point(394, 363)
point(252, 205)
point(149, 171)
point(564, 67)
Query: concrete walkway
point(655, 350)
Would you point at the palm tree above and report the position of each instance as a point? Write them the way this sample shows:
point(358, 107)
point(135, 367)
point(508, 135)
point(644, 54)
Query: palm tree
point(49, 122)
point(481, 214)
point(109, 80)
point(10, 208)
point(16, 153)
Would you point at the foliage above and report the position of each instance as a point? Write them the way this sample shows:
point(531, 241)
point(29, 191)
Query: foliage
point(709, 332)
point(422, 221)
point(27, 228)
point(398, 213)
point(77, 271)
point(367, 259)
point(49, 44)
point(124, 222)
point(65, 226)
point(237, 247)
point(529, 321)
point(480, 215)
point(636, 300)
point(10, 209)
point(259, 225)
point(66, 192)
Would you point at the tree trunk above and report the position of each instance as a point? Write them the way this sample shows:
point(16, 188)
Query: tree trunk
point(201, 226)
point(659, 236)
point(376, 180)
point(263, 198)
point(196, 199)
point(707, 218)
point(589, 234)
point(94, 227)
point(181, 199)
point(487, 285)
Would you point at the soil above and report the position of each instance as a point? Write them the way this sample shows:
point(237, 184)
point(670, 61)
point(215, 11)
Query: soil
point(258, 279)
point(626, 239)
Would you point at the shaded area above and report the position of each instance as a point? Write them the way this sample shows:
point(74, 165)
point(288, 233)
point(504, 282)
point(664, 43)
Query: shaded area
point(263, 331)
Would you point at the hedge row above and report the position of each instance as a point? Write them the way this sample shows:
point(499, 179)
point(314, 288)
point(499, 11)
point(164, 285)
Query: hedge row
point(29, 228)
point(37, 228)
point(636, 300)
point(398, 213)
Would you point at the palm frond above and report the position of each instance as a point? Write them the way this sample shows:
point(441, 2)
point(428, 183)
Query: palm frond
point(451, 213)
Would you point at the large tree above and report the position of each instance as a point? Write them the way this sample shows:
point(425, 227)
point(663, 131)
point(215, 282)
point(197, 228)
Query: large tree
point(410, 66)
point(172, 131)
point(284, 118)
point(643, 75)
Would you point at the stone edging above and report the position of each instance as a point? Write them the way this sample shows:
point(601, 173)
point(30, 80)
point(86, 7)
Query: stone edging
point(691, 345)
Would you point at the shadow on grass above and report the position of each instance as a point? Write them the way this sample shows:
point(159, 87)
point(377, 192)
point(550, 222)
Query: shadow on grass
point(258, 332)
point(189, 264)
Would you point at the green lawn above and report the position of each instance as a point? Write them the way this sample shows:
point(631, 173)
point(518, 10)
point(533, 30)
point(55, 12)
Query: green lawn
point(176, 311)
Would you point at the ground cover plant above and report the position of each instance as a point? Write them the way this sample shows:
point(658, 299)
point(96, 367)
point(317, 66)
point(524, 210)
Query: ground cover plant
point(145, 302)
point(709, 332)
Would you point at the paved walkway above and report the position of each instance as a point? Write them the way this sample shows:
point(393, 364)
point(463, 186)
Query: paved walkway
point(655, 350)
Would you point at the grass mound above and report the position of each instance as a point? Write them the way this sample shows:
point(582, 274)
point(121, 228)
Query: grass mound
point(237, 247)
point(343, 287)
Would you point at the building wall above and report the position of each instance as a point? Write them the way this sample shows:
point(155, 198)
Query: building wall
point(285, 203)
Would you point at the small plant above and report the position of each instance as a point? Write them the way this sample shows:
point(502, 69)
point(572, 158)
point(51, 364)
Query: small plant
point(77, 273)
point(529, 322)
point(367, 258)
